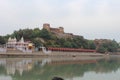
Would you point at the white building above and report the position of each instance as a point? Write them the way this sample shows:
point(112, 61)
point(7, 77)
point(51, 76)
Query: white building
point(13, 44)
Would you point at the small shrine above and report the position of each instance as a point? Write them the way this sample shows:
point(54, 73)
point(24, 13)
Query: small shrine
point(13, 44)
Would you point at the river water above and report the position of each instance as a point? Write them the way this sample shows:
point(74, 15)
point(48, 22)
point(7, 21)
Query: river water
point(68, 69)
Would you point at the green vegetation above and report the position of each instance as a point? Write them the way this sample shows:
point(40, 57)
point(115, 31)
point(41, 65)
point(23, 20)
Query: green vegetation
point(108, 47)
point(45, 38)
point(2, 40)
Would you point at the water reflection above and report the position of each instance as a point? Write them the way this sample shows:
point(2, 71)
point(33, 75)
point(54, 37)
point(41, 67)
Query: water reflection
point(2, 77)
point(67, 68)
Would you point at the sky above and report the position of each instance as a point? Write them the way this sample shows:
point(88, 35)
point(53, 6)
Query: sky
point(93, 19)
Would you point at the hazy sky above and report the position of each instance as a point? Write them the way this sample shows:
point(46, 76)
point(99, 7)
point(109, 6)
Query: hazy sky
point(89, 18)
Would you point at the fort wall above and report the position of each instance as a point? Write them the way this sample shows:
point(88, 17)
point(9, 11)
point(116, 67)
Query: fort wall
point(59, 32)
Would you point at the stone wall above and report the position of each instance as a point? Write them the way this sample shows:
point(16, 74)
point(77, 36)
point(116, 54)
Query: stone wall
point(46, 26)
point(59, 32)
point(53, 30)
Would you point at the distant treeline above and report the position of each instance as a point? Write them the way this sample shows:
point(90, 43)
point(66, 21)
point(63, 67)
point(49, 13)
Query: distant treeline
point(45, 38)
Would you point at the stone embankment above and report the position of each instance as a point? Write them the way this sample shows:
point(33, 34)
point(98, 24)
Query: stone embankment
point(52, 54)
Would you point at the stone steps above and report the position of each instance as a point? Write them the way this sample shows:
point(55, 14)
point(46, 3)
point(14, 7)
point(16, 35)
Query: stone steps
point(14, 51)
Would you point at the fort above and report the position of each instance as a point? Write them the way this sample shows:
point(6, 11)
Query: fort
point(59, 32)
point(53, 30)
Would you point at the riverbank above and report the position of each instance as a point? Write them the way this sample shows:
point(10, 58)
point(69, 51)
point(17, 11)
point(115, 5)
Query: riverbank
point(52, 54)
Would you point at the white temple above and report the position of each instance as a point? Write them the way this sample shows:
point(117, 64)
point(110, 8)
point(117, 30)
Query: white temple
point(21, 45)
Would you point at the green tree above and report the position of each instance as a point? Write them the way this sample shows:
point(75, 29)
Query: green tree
point(37, 42)
point(67, 44)
point(36, 32)
point(18, 34)
point(80, 42)
point(111, 46)
point(45, 34)
point(28, 34)
point(2, 40)
point(6, 37)
point(91, 44)
point(102, 49)
point(60, 42)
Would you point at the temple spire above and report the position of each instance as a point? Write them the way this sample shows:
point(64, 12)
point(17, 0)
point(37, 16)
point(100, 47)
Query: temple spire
point(22, 40)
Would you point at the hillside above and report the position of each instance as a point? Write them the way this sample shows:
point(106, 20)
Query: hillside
point(56, 37)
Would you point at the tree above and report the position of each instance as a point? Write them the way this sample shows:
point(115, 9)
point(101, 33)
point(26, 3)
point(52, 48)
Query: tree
point(80, 42)
point(36, 32)
point(17, 35)
point(91, 44)
point(111, 46)
point(60, 42)
point(102, 49)
point(37, 42)
point(28, 34)
point(2, 40)
point(67, 44)
point(45, 34)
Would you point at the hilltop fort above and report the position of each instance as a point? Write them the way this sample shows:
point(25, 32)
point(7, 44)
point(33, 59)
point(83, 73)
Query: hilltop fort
point(53, 30)
point(59, 32)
